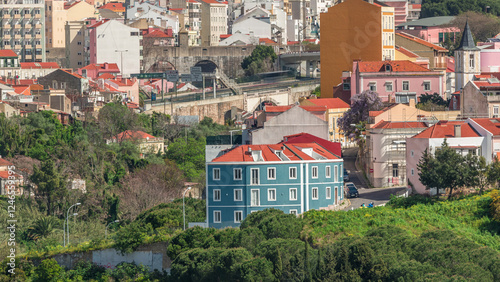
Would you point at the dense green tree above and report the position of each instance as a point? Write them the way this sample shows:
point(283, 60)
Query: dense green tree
point(115, 118)
point(189, 156)
point(48, 270)
point(434, 8)
point(261, 60)
point(131, 236)
point(189, 239)
point(51, 184)
point(494, 173)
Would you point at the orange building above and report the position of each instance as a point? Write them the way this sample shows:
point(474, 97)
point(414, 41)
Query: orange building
point(354, 30)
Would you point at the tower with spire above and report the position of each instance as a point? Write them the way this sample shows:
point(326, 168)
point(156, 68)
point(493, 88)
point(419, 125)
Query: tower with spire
point(467, 59)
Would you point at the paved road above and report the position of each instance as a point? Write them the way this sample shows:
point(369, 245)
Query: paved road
point(366, 195)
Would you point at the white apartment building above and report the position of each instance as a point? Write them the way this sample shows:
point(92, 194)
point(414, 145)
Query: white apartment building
point(388, 36)
point(213, 21)
point(22, 28)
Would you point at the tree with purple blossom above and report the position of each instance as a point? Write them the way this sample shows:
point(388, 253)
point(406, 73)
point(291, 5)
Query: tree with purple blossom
point(361, 105)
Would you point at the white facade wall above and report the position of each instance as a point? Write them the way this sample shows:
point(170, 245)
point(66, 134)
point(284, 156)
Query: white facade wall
point(292, 27)
point(258, 28)
point(466, 67)
point(120, 44)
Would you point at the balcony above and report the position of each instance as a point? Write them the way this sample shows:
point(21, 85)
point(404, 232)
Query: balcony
point(6, 16)
point(38, 16)
point(28, 57)
point(18, 26)
point(38, 36)
point(18, 47)
point(27, 25)
point(27, 36)
point(38, 26)
point(17, 16)
point(17, 36)
point(7, 47)
point(38, 46)
point(7, 36)
point(27, 16)
point(38, 57)
point(493, 98)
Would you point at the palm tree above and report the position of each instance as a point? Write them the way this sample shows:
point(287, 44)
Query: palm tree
point(43, 227)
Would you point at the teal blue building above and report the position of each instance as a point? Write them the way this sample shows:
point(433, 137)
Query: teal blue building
point(294, 178)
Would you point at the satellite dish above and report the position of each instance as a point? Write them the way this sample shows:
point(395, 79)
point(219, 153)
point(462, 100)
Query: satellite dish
point(137, 14)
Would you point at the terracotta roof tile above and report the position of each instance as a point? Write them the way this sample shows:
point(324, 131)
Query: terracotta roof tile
point(266, 41)
point(390, 125)
point(330, 103)
point(111, 66)
point(333, 147)
point(281, 109)
point(131, 134)
point(397, 66)
point(4, 162)
point(420, 41)
point(406, 52)
point(98, 23)
point(490, 124)
point(446, 129)
point(5, 175)
point(113, 6)
point(41, 65)
point(8, 53)
point(157, 34)
point(106, 75)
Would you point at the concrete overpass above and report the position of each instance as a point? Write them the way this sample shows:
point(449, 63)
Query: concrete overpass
point(306, 63)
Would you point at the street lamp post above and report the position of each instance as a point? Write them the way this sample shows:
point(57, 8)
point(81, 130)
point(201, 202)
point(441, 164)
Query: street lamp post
point(66, 224)
point(106, 231)
point(183, 208)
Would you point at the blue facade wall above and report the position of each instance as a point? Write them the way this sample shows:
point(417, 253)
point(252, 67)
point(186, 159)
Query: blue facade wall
point(281, 197)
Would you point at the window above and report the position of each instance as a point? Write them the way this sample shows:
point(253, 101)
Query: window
point(293, 194)
point(388, 67)
point(271, 173)
point(406, 86)
point(427, 86)
point(217, 216)
point(294, 212)
point(293, 173)
point(79, 43)
point(388, 86)
point(217, 195)
point(471, 61)
point(336, 174)
point(255, 176)
point(237, 174)
point(134, 33)
point(373, 86)
point(216, 172)
point(495, 111)
point(255, 197)
point(271, 194)
point(238, 216)
point(412, 172)
point(79, 63)
point(328, 192)
point(328, 172)
point(412, 153)
point(395, 171)
point(237, 195)
point(314, 193)
point(346, 86)
point(314, 173)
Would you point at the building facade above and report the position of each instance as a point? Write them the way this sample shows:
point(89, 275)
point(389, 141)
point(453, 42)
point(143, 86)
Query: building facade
point(23, 29)
point(9, 64)
point(213, 21)
point(467, 60)
point(294, 178)
point(354, 30)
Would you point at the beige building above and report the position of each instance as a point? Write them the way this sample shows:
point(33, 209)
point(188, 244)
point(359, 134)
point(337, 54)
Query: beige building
point(213, 22)
point(58, 12)
point(23, 29)
point(336, 108)
point(148, 144)
point(8, 110)
point(75, 44)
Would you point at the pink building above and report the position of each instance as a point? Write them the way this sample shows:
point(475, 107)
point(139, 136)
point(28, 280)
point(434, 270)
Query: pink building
point(395, 81)
point(489, 56)
point(458, 134)
point(93, 71)
point(400, 10)
point(128, 86)
point(431, 29)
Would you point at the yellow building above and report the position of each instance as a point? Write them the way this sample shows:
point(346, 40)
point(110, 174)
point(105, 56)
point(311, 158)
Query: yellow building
point(335, 109)
point(353, 30)
point(57, 14)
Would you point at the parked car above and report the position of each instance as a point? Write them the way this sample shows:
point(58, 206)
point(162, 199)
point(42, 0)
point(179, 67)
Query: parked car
point(351, 190)
point(346, 175)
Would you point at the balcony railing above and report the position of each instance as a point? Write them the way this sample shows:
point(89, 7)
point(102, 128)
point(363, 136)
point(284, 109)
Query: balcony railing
point(6, 36)
point(18, 47)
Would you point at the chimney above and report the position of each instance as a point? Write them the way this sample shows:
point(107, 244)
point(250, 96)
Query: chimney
point(412, 103)
point(106, 66)
point(458, 130)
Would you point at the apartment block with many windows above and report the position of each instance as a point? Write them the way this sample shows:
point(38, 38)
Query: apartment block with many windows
point(294, 178)
point(22, 28)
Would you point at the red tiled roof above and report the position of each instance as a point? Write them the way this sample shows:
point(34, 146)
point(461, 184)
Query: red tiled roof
point(73, 73)
point(478, 76)
point(333, 147)
point(111, 66)
point(292, 151)
point(41, 65)
point(486, 84)
point(192, 1)
point(106, 75)
point(68, 6)
point(390, 125)
point(131, 134)
point(330, 103)
point(397, 66)
point(113, 6)
point(374, 113)
point(27, 81)
point(266, 41)
point(281, 109)
point(176, 9)
point(98, 23)
point(490, 124)
point(157, 34)
point(224, 36)
point(5, 175)
point(446, 129)
point(8, 53)
point(292, 42)
point(22, 89)
point(421, 41)
point(406, 52)
point(416, 6)
point(4, 162)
